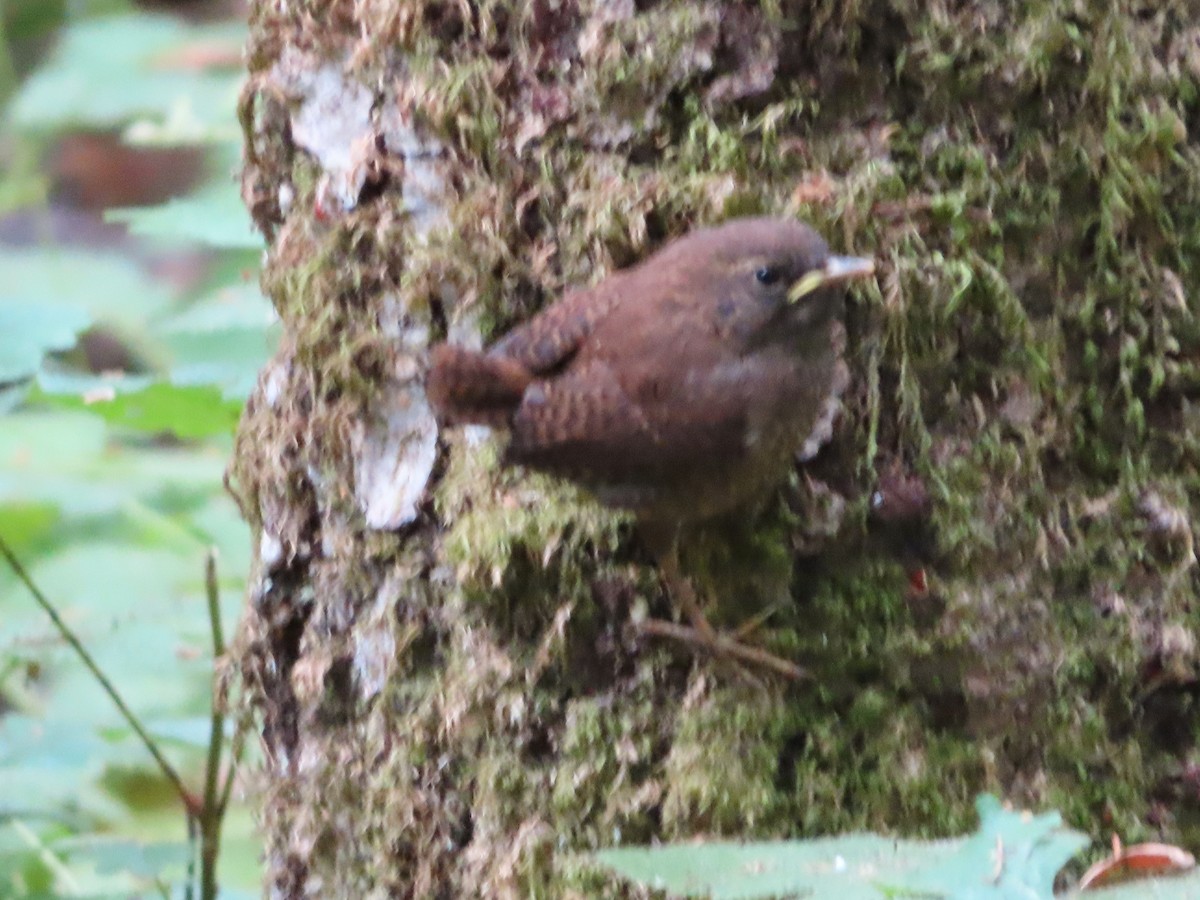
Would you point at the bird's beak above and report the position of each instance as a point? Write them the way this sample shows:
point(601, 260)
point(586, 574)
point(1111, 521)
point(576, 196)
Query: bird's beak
point(837, 270)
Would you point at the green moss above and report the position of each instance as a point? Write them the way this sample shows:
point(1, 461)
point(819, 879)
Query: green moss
point(721, 770)
point(1030, 350)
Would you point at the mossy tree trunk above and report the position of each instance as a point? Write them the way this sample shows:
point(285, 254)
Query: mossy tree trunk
point(453, 699)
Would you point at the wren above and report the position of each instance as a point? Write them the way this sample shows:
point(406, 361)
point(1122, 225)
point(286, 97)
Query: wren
point(678, 389)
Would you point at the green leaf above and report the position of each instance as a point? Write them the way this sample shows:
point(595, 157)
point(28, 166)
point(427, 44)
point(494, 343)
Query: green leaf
point(64, 460)
point(213, 215)
point(143, 618)
point(69, 795)
point(218, 524)
point(1177, 887)
point(847, 867)
point(24, 526)
point(109, 854)
point(54, 382)
point(23, 864)
point(186, 412)
point(32, 443)
point(190, 731)
point(108, 71)
point(54, 746)
point(11, 396)
point(223, 341)
point(1013, 856)
point(229, 360)
point(234, 306)
point(29, 330)
point(78, 285)
point(91, 582)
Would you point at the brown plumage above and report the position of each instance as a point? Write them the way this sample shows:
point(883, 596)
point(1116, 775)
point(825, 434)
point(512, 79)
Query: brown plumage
point(679, 388)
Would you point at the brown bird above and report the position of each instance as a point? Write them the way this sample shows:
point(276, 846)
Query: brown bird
point(678, 389)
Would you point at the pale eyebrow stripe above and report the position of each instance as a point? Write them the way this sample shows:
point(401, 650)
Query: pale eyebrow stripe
point(746, 262)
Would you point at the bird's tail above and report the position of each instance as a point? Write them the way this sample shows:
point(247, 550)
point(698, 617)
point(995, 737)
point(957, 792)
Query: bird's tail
point(471, 387)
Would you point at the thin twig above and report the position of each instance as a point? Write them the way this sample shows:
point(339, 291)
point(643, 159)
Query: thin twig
point(214, 603)
point(210, 811)
point(237, 745)
point(193, 827)
point(69, 636)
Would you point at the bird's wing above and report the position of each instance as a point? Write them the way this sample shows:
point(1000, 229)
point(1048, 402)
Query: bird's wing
point(548, 341)
point(575, 422)
point(596, 424)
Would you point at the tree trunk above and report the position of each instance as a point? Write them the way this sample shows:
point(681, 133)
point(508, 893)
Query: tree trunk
point(990, 567)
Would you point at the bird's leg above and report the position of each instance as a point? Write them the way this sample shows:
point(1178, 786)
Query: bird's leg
point(755, 622)
point(701, 633)
point(683, 593)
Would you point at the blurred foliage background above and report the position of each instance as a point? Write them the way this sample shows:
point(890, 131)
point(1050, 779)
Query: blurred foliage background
point(131, 331)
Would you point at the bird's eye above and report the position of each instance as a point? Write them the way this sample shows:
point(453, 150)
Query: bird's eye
point(767, 275)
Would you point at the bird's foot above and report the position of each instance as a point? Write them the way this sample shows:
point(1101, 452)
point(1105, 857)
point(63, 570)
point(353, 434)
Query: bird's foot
point(729, 646)
point(700, 633)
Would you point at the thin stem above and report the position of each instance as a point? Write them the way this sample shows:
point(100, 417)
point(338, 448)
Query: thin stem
point(214, 603)
point(66, 881)
point(189, 890)
point(211, 811)
point(235, 757)
point(69, 636)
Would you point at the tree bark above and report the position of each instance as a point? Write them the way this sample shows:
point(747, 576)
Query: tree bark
point(989, 569)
